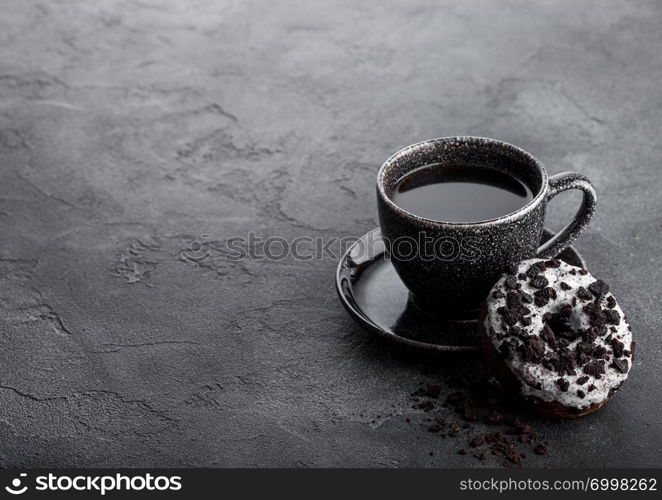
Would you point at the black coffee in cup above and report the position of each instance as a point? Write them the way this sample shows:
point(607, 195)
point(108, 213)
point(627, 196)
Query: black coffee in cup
point(460, 193)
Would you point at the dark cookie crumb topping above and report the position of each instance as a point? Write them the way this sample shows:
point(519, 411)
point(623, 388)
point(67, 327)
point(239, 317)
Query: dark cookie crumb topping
point(594, 368)
point(511, 282)
point(535, 269)
point(584, 294)
point(598, 288)
point(563, 384)
point(539, 281)
point(621, 365)
point(547, 334)
point(612, 317)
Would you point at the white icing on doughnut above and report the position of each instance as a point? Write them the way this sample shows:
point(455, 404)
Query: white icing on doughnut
point(537, 373)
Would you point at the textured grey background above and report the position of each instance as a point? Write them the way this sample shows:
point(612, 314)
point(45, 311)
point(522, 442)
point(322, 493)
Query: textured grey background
point(129, 128)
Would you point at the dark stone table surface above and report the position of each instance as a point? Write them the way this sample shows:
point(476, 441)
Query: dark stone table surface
point(131, 129)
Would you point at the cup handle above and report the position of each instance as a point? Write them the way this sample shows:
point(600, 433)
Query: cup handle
point(557, 184)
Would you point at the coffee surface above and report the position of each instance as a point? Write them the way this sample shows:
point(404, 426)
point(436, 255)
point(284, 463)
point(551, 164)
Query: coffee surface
point(460, 193)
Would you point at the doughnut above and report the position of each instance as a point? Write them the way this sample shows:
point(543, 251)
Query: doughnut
point(557, 335)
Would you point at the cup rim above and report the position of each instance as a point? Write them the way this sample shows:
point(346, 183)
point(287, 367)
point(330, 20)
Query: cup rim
point(540, 195)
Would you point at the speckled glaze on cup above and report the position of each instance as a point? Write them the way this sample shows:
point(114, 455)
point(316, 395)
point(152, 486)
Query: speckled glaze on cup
point(460, 284)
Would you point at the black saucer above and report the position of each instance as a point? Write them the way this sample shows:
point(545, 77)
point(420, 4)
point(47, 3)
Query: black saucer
point(374, 296)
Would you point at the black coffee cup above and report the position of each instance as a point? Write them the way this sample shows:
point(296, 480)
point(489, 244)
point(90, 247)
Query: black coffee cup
point(454, 264)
